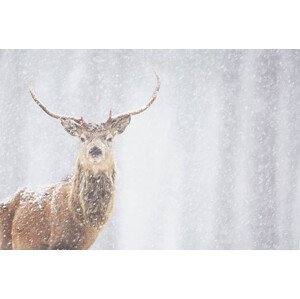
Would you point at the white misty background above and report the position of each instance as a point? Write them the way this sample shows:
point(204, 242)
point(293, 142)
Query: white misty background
point(213, 164)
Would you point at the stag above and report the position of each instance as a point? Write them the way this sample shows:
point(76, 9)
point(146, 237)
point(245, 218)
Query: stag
point(70, 214)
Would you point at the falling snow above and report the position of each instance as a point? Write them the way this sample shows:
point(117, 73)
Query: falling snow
point(213, 164)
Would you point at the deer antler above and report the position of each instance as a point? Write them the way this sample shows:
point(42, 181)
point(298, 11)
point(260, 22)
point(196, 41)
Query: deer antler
point(142, 109)
point(80, 120)
point(54, 115)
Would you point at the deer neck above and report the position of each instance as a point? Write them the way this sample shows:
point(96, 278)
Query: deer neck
point(92, 194)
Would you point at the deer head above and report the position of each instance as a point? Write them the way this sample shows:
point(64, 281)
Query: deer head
point(97, 138)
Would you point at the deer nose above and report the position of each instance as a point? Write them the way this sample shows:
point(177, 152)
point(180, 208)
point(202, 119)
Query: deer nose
point(95, 151)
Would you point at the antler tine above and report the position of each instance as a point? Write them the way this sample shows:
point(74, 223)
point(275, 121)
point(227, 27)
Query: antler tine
point(150, 102)
point(110, 115)
point(54, 115)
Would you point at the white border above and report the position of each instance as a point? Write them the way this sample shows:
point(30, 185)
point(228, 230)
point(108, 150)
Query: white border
point(149, 24)
point(149, 274)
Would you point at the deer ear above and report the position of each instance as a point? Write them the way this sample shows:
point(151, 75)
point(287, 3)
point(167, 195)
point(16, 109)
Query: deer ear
point(119, 124)
point(71, 127)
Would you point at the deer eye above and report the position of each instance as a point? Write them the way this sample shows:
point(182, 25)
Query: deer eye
point(82, 139)
point(109, 139)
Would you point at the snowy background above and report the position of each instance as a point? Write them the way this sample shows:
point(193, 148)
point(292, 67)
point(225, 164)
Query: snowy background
point(213, 164)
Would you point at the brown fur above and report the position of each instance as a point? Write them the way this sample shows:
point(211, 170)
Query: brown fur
point(68, 215)
point(71, 214)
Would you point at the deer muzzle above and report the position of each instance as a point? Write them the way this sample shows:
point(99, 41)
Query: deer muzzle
point(95, 152)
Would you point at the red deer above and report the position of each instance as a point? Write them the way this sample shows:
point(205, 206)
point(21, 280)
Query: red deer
point(70, 214)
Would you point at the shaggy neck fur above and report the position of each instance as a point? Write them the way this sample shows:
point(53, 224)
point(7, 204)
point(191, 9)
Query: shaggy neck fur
point(92, 194)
